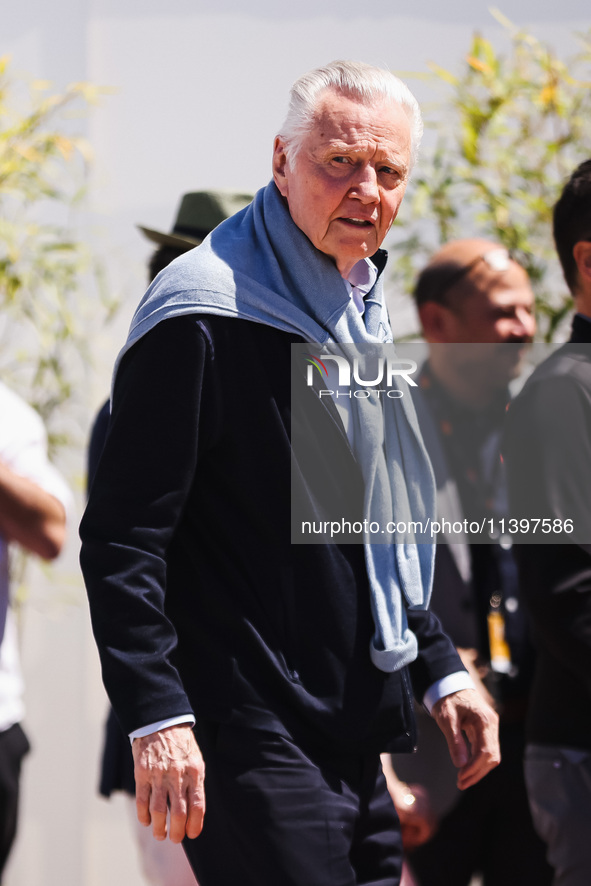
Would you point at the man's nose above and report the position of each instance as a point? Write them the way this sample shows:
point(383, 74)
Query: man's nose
point(525, 324)
point(365, 185)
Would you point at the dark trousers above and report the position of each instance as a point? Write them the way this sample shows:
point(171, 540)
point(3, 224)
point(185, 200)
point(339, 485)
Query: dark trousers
point(559, 787)
point(13, 747)
point(490, 831)
point(278, 815)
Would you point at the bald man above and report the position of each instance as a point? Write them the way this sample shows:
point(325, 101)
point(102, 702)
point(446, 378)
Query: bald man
point(475, 305)
point(472, 292)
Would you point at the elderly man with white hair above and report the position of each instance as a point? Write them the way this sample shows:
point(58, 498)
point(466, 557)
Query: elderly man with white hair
point(282, 670)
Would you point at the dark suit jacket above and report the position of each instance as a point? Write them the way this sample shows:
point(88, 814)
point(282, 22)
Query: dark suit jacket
point(548, 454)
point(199, 601)
point(116, 772)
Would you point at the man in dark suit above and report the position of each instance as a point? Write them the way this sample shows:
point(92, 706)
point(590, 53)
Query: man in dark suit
point(548, 454)
point(291, 663)
point(475, 304)
point(199, 212)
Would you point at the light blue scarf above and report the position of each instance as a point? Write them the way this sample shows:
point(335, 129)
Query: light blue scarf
point(259, 266)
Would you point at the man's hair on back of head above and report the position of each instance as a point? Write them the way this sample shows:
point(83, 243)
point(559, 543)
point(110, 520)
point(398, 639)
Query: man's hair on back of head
point(357, 80)
point(162, 257)
point(572, 220)
point(433, 283)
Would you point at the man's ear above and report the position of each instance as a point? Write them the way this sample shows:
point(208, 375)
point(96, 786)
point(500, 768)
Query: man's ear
point(435, 319)
point(582, 257)
point(279, 165)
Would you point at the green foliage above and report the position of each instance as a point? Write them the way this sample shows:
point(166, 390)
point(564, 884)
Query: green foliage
point(50, 293)
point(508, 134)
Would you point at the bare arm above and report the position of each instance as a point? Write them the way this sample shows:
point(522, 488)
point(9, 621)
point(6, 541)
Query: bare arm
point(30, 516)
point(471, 729)
point(169, 771)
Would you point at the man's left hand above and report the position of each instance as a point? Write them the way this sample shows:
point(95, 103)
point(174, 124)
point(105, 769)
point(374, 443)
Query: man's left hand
point(471, 729)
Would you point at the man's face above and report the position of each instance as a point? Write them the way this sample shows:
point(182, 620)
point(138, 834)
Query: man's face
point(349, 177)
point(498, 309)
point(487, 319)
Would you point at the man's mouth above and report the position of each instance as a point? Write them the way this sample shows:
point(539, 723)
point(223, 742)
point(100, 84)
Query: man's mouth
point(358, 222)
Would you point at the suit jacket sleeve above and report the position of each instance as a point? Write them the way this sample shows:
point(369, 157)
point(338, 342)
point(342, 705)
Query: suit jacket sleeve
point(136, 499)
point(437, 657)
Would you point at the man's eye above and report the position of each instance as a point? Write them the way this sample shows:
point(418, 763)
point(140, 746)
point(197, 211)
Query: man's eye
point(388, 170)
point(340, 160)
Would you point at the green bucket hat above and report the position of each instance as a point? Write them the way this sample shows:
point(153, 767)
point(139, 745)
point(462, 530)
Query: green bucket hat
point(199, 213)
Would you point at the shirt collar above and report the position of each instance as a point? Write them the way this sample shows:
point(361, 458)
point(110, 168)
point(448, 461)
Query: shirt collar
point(360, 281)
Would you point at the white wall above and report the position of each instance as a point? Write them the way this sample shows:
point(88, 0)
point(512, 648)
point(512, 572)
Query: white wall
point(199, 96)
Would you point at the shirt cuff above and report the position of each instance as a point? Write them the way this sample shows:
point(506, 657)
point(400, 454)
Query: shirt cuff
point(448, 685)
point(187, 719)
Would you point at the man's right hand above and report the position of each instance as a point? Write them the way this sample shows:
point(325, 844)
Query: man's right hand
point(169, 773)
point(471, 729)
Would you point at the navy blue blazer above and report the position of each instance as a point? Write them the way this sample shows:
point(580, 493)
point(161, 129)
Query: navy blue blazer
point(199, 601)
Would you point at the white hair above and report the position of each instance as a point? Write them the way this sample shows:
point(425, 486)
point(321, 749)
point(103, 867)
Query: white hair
point(356, 80)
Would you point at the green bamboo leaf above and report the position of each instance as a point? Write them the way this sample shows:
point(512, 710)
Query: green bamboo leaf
point(503, 20)
point(511, 129)
point(45, 269)
point(443, 74)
